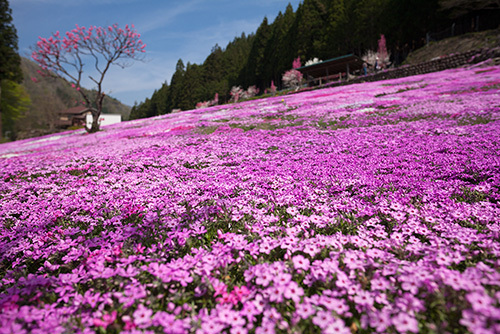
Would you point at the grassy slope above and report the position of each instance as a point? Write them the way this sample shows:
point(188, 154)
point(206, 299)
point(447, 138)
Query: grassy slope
point(457, 44)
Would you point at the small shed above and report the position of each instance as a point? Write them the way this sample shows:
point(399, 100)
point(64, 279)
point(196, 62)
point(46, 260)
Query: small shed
point(332, 69)
point(72, 117)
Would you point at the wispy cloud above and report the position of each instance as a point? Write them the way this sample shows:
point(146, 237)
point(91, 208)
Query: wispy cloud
point(166, 15)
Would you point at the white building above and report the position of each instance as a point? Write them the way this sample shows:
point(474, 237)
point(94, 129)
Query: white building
point(104, 119)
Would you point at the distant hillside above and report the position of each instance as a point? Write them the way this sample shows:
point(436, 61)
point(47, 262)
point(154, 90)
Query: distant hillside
point(457, 44)
point(48, 97)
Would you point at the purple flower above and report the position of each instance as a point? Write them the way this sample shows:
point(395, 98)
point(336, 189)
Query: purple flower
point(293, 291)
point(405, 323)
point(337, 327)
point(300, 262)
point(323, 319)
point(480, 302)
point(142, 316)
point(304, 310)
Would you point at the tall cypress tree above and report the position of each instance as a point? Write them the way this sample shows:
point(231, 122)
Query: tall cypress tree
point(10, 62)
point(176, 85)
point(254, 69)
point(310, 22)
point(285, 51)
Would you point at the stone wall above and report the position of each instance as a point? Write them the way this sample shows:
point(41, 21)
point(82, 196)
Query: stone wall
point(451, 61)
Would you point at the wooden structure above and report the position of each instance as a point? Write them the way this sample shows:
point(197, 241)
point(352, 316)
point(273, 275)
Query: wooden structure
point(333, 69)
point(72, 117)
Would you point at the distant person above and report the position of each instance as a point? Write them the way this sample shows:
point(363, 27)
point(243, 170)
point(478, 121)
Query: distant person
point(365, 68)
point(376, 67)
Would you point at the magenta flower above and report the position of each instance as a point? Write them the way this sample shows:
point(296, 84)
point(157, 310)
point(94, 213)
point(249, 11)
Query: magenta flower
point(304, 310)
point(323, 319)
point(337, 327)
point(300, 262)
point(480, 302)
point(405, 323)
point(293, 291)
point(142, 316)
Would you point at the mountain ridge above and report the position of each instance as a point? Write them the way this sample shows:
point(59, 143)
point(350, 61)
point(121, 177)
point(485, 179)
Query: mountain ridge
point(48, 97)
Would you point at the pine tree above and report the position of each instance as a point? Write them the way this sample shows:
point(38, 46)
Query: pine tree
point(176, 85)
point(285, 51)
point(255, 67)
point(310, 22)
point(10, 62)
point(279, 51)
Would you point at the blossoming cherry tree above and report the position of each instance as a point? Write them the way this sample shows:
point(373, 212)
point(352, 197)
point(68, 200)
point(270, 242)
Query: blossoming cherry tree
point(66, 57)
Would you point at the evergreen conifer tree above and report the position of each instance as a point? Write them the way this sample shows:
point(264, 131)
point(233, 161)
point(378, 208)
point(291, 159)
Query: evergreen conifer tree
point(10, 62)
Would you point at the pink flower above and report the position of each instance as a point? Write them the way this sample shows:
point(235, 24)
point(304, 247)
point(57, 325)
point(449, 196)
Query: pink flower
point(292, 211)
point(232, 318)
point(337, 327)
point(304, 310)
point(117, 250)
point(129, 324)
point(238, 330)
point(211, 326)
point(219, 288)
point(276, 293)
point(300, 262)
point(480, 302)
point(91, 298)
point(342, 280)
point(139, 249)
point(293, 291)
point(323, 319)
point(405, 323)
point(106, 320)
point(282, 279)
point(364, 298)
point(380, 320)
point(142, 316)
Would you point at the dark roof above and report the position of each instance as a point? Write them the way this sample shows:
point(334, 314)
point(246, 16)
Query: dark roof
point(75, 110)
point(333, 66)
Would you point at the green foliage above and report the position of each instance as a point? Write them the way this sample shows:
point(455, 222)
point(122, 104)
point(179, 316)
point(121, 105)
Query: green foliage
point(319, 28)
point(10, 61)
point(14, 102)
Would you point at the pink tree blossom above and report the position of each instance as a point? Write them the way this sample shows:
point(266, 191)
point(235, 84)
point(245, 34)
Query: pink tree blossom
point(296, 63)
point(382, 53)
point(292, 79)
point(273, 87)
point(66, 56)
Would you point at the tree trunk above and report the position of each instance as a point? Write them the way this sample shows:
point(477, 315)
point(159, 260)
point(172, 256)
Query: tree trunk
point(95, 121)
point(96, 113)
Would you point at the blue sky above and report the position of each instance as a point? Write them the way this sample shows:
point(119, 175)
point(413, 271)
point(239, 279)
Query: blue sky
point(171, 29)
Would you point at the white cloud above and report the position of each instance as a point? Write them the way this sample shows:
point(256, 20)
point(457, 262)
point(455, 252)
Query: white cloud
point(165, 15)
point(138, 82)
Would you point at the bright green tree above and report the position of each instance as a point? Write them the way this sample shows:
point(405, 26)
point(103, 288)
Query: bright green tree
point(15, 101)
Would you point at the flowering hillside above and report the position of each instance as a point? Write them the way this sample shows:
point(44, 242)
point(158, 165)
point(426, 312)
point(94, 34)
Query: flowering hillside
point(369, 208)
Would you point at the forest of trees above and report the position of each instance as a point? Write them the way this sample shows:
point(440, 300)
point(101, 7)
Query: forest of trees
point(13, 98)
point(318, 28)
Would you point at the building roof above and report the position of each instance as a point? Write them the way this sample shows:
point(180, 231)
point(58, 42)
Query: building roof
point(75, 110)
point(333, 66)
